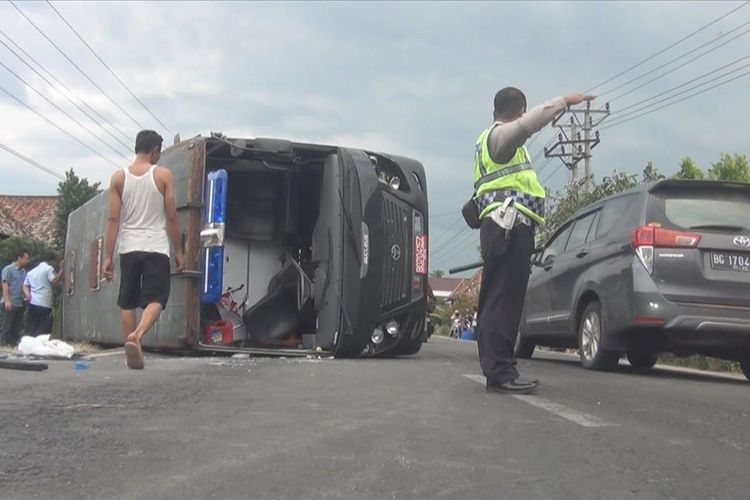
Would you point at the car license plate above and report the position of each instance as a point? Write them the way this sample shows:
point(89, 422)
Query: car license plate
point(726, 261)
point(420, 254)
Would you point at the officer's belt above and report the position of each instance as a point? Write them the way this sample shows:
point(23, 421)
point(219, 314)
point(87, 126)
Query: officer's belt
point(500, 173)
point(533, 203)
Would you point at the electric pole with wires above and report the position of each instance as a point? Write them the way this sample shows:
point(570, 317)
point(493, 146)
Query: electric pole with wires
point(575, 140)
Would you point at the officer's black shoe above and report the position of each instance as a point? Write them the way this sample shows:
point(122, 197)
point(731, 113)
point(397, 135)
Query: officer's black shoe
point(517, 386)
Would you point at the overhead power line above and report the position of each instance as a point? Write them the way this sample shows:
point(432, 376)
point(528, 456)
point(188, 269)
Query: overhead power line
point(32, 162)
point(434, 243)
point(107, 66)
point(553, 173)
point(720, 84)
point(665, 49)
point(713, 49)
point(637, 104)
point(461, 232)
point(49, 101)
point(85, 75)
point(457, 248)
point(67, 89)
point(58, 127)
point(643, 106)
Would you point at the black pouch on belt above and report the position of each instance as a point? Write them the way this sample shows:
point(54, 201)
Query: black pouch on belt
point(470, 211)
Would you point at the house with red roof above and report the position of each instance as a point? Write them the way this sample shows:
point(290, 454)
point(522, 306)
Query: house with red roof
point(28, 217)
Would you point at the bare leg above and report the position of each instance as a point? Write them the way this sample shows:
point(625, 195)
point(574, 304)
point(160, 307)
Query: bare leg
point(128, 322)
point(148, 318)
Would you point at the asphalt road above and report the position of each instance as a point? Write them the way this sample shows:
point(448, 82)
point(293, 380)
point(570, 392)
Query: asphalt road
point(419, 427)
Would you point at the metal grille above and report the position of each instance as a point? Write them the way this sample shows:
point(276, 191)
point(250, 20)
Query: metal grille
point(397, 252)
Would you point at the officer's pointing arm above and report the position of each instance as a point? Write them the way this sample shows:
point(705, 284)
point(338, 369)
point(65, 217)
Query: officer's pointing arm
point(507, 137)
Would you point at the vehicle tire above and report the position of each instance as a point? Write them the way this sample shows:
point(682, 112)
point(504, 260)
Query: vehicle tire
point(641, 360)
point(524, 348)
point(590, 330)
point(745, 367)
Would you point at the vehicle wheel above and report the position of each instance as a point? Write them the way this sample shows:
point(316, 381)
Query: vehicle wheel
point(524, 348)
point(745, 366)
point(590, 330)
point(641, 360)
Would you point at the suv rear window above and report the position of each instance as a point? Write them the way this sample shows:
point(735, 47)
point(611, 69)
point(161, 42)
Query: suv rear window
point(702, 208)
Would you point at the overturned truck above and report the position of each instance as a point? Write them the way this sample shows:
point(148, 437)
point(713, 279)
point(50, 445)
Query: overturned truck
point(291, 248)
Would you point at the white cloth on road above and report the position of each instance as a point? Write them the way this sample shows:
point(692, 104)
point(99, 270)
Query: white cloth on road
point(43, 346)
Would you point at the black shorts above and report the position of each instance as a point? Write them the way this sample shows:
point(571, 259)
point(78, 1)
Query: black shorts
point(144, 279)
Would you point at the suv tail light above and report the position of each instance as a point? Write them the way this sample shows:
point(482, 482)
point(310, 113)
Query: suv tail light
point(645, 238)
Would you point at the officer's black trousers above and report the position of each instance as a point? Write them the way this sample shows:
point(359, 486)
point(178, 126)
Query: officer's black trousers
point(504, 280)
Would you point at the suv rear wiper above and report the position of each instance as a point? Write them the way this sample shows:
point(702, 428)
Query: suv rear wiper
point(720, 227)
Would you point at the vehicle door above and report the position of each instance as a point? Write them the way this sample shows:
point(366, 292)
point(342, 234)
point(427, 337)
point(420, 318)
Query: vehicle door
point(537, 305)
point(567, 269)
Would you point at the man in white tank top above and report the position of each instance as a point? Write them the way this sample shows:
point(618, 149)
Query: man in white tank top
point(144, 216)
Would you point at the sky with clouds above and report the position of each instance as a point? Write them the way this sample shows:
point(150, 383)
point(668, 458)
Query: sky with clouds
point(414, 79)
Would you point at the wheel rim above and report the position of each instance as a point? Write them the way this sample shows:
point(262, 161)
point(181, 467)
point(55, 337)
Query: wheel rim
point(590, 335)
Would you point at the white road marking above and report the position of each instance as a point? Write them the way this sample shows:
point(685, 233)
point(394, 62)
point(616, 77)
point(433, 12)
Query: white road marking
point(575, 416)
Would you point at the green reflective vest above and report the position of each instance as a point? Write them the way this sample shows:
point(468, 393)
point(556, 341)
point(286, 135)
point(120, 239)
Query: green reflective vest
point(494, 182)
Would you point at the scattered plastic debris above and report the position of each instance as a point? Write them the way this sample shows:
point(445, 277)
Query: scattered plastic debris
point(43, 346)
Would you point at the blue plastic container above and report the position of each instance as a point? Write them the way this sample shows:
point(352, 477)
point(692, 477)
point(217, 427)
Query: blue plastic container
point(468, 335)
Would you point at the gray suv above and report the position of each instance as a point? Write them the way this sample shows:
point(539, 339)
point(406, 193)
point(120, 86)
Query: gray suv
point(664, 267)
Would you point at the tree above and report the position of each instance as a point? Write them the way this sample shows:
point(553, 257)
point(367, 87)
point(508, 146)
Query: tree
point(72, 193)
point(689, 170)
point(9, 248)
point(563, 205)
point(730, 168)
point(437, 273)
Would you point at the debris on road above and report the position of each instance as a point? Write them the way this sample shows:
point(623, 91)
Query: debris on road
point(43, 346)
point(14, 363)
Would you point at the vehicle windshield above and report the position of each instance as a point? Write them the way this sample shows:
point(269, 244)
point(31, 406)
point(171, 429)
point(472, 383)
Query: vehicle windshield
point(703, 210)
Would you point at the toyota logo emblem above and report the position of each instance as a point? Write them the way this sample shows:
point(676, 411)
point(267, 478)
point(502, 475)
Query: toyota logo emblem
point(741, 241)
point(395, 252)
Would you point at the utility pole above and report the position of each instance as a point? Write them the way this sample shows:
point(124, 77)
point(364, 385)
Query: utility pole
point(587, 145)
point(572, 146)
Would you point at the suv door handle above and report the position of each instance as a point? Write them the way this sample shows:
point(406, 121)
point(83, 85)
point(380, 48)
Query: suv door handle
point(583, 253)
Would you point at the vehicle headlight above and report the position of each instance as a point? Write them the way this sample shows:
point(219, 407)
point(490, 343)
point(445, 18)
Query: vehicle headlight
point(377, 336)
point(392, 328)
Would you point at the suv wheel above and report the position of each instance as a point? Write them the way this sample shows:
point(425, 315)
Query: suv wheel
point(523, 348)
point(745, 366)
point(641, 360)
point(590, 329)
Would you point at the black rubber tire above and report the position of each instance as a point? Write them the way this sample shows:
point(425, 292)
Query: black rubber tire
point(19, 364)
point(642, 360)
point(524, 348)
point(745, 367)
point(602, 360)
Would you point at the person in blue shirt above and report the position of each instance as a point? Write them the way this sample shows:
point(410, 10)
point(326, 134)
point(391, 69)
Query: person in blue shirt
point(39, 290)
point(12, 303)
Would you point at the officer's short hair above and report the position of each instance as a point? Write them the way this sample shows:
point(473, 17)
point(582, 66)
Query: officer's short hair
point(509, 102)
point(146, 141)
point(21, 252)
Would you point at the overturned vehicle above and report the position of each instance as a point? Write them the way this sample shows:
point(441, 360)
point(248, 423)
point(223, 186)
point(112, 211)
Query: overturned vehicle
point(291, 248)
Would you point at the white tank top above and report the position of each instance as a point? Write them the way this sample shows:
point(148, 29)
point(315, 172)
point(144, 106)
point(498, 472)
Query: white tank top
point(143, 226)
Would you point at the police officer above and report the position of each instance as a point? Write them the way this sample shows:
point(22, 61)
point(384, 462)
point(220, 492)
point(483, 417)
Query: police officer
point(510, 202)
